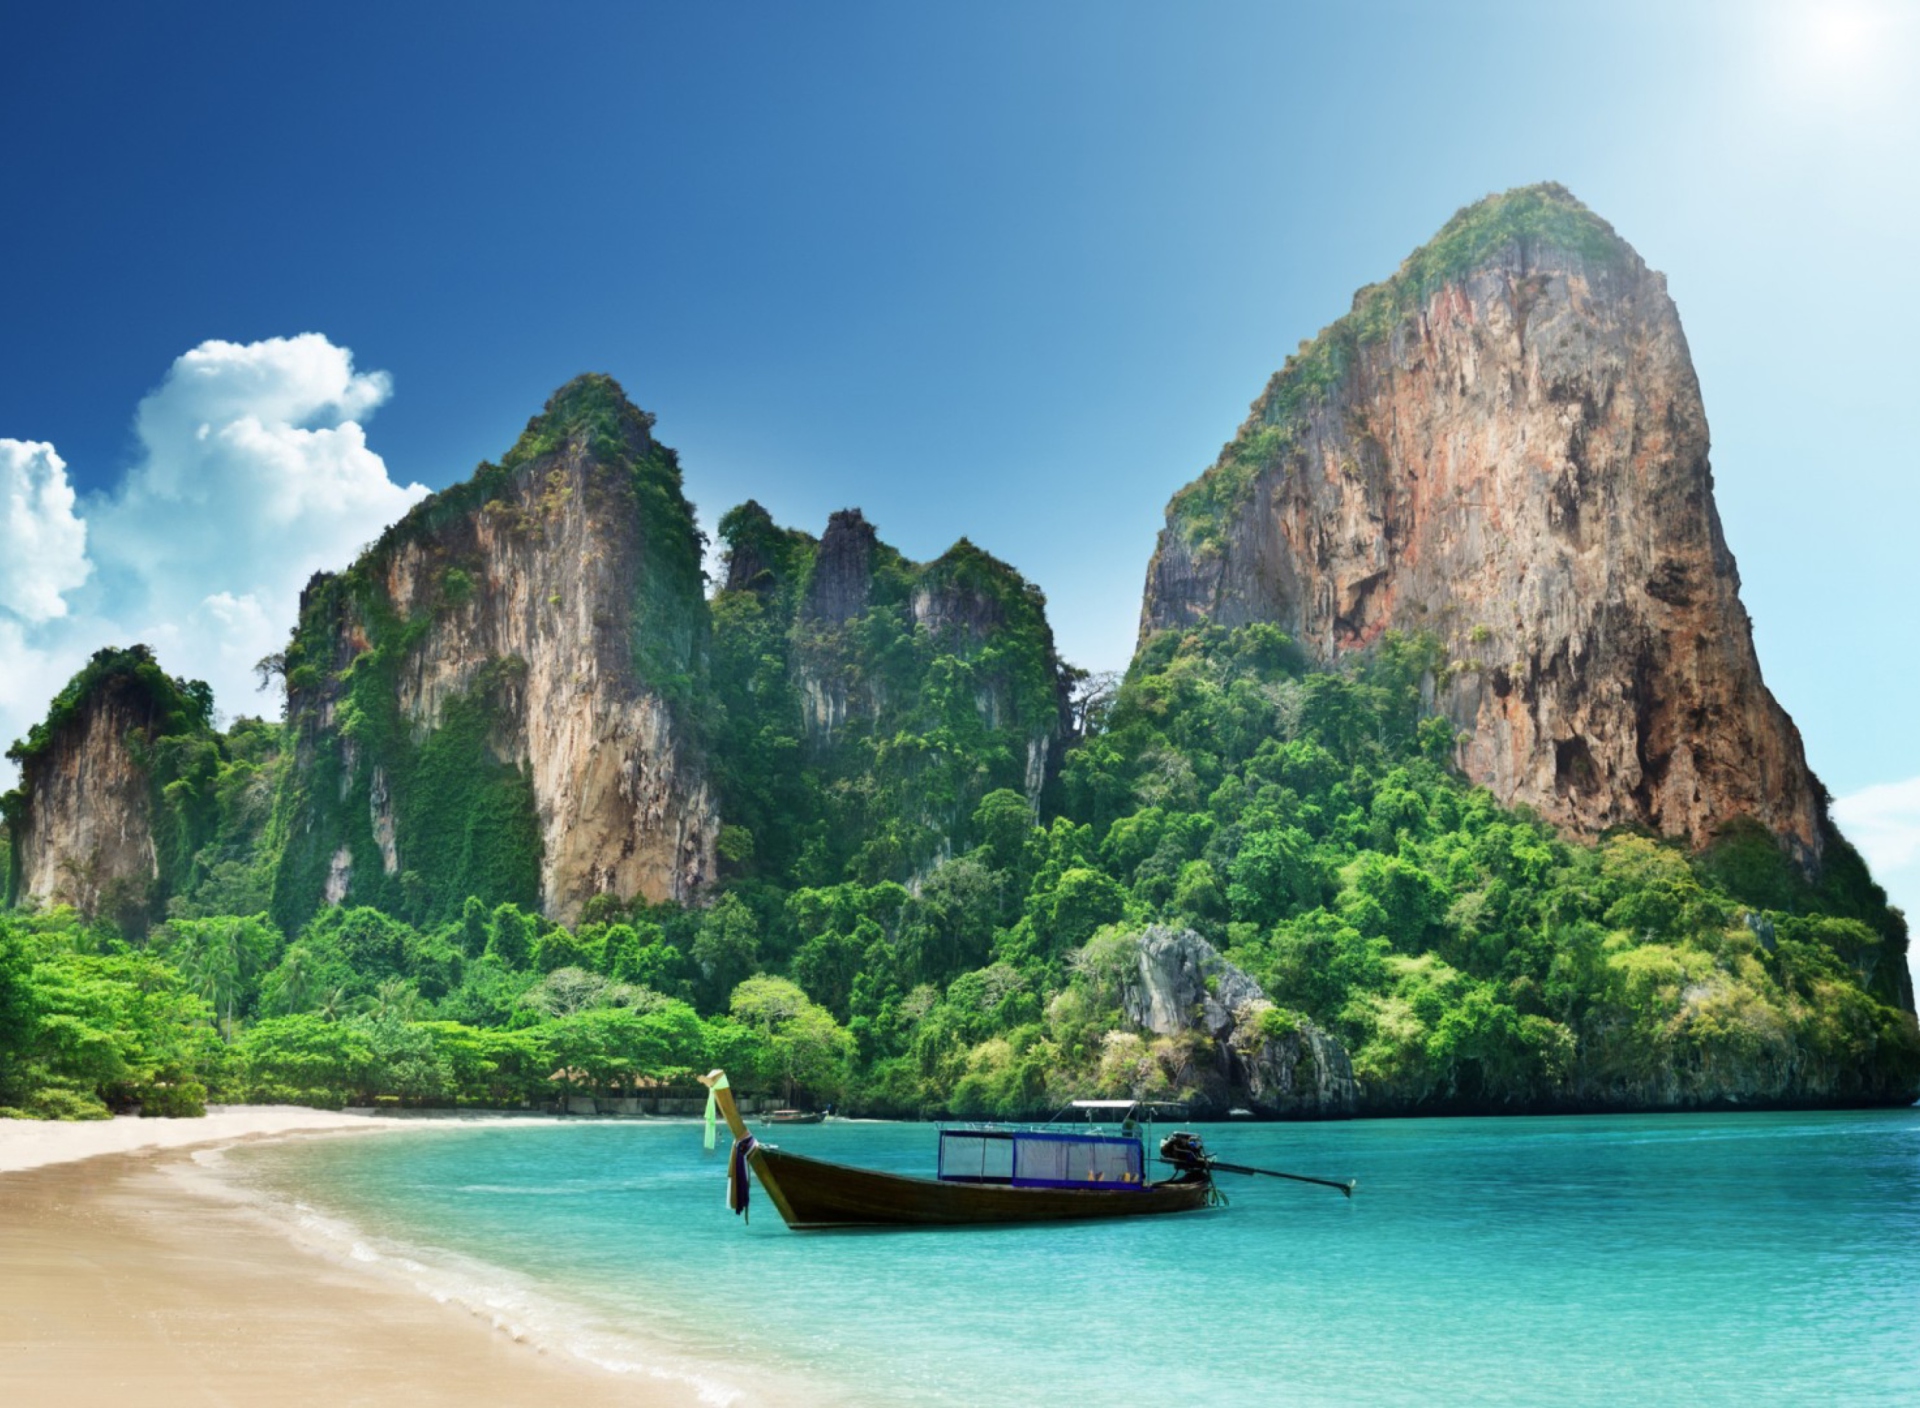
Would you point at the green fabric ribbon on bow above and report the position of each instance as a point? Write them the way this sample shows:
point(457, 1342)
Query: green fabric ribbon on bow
point(713, 1106)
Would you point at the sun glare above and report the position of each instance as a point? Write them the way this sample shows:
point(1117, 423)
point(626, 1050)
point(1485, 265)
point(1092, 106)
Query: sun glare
point(1842, 52)
point(1841, 36)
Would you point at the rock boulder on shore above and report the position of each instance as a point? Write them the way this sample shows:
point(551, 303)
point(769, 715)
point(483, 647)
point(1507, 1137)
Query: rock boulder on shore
point(1274, 1062)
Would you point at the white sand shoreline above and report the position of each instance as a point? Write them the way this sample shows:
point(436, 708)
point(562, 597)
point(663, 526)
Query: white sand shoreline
point(31, 1144)
point(135, 1257)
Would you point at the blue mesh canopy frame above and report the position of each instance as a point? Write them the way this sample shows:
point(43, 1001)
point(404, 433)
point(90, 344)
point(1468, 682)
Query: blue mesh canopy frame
point(1023, 1158)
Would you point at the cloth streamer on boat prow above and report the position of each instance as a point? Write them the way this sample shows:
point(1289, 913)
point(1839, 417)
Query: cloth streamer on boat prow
point(715, 1081)
point(739, 1180)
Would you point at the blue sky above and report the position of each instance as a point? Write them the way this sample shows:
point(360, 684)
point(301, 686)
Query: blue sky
point(1008, 271)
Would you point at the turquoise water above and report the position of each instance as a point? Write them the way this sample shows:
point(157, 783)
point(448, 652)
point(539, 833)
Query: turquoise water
point(1710, 1259)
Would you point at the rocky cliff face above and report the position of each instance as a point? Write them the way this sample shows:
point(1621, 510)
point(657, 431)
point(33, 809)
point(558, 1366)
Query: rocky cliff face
point(1504, 446)
point(513, 663)
point(88, 834)
point(1276, 1064)
point(85, 826)
point(842, 580)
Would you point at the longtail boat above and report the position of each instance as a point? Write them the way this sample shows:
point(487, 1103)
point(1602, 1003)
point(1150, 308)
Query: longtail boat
point(794, 1117)
point(985, 1175)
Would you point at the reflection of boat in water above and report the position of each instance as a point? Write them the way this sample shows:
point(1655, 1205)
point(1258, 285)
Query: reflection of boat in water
point(986, 1174)
point(793, 1117)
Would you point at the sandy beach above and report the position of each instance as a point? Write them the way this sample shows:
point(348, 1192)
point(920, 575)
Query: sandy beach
point(29, 1144)
point(125, 1281)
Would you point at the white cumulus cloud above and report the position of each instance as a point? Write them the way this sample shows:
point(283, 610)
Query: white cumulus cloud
point(252, 473)
point(43, 545)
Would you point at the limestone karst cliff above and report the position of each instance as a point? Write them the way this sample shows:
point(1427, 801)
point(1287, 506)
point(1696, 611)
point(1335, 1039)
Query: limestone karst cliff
point(512, 697)
point(86, 825)
point(88, 829)
point(1504, 445)
point(495, 699)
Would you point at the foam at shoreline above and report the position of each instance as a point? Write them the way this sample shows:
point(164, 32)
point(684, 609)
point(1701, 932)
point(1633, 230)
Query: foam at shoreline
point(512, 1303)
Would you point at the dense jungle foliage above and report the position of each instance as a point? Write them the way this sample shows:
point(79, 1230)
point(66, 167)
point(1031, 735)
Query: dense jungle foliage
point(939, 850)
point(900, 931)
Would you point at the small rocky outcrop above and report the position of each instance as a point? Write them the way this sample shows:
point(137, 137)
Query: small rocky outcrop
point(950, 599)
point(754, 559)
point(1274, 1062)
point(88, 833)
point(1504, 446)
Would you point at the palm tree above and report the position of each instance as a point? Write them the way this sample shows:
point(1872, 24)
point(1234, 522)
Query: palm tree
point(396, 998)
point(297, 979)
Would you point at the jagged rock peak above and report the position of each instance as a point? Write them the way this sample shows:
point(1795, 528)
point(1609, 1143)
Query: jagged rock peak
point(747, 531)
point(965, 603)
point(1503, 445)
point(842, 568)
point(760, 555)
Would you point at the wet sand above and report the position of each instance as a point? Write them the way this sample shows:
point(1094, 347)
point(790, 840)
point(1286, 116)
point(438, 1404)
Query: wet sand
point(120, 1283)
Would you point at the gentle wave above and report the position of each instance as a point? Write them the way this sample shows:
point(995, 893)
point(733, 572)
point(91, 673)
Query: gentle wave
point(511, 1303)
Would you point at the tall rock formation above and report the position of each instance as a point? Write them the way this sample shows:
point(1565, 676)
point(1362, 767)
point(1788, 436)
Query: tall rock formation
point(1504, 445)
point(85, 825)
point(496, 698)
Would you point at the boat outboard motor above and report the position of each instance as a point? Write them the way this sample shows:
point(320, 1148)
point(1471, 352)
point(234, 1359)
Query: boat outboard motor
point(1184, 1151)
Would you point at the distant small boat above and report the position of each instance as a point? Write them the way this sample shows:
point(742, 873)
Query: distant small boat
point(793, 1117)
point(987, 1174)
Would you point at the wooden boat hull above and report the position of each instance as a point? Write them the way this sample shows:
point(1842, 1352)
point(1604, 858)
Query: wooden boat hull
point(812, 1194)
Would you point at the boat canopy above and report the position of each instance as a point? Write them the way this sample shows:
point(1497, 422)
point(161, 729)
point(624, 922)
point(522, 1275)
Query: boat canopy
point(1039, 1158)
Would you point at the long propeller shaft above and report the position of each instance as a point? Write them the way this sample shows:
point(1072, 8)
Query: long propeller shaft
point(1346, 1188)
point(1213, 1165)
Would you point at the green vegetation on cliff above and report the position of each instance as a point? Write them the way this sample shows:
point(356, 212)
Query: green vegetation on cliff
point(934, 873)
point(853, 738)
point(1306, 823)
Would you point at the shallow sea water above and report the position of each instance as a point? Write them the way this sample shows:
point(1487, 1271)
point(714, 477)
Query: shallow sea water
point(1692, 1259)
